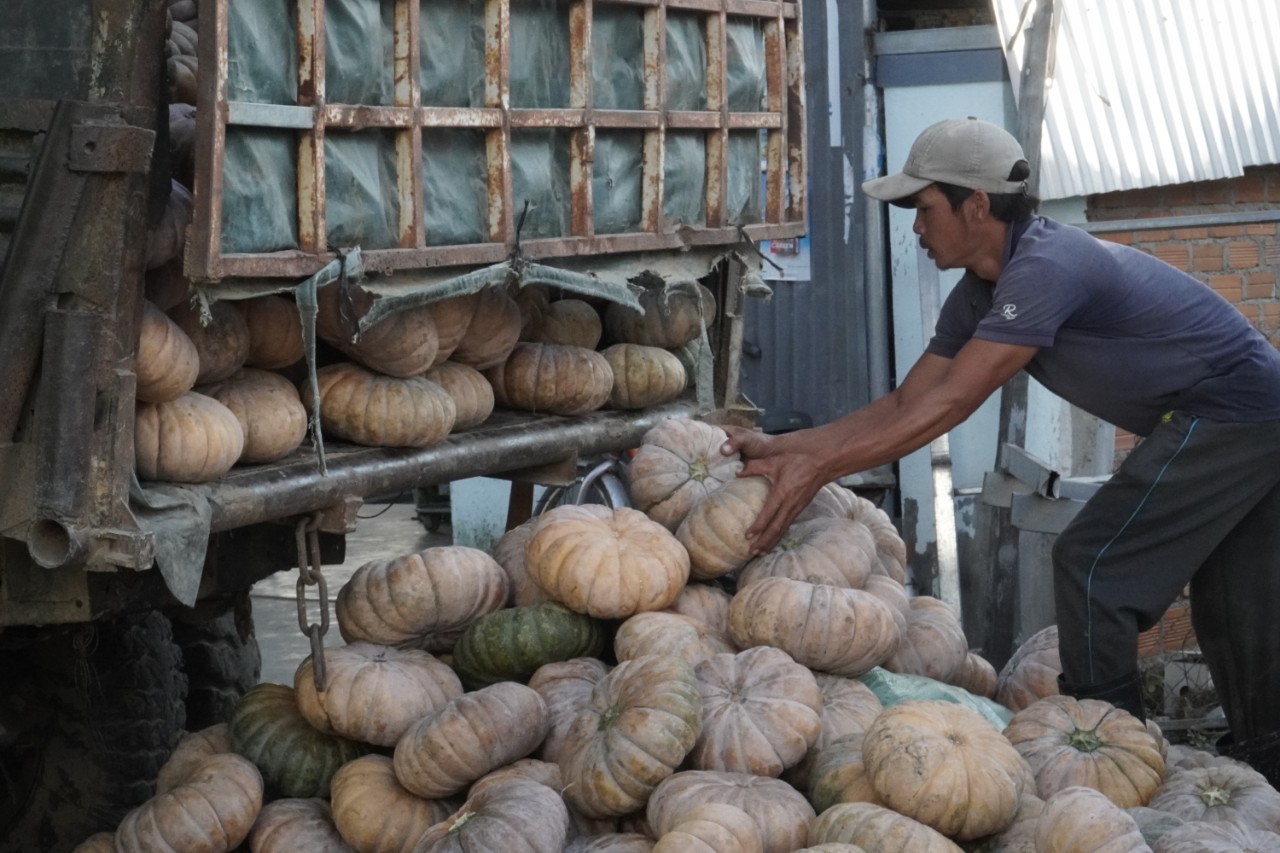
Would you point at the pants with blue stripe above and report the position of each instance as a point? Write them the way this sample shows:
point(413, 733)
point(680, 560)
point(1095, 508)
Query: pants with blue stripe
point(1197, 502)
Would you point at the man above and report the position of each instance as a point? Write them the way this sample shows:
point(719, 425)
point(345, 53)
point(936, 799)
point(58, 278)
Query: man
point(1130, 339)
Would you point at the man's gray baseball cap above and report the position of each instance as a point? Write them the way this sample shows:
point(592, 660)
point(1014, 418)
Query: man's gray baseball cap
point(966, 152)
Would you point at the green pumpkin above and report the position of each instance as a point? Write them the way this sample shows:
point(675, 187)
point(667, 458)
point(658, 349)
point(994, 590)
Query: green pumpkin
point(295, 758)
point(510, 644)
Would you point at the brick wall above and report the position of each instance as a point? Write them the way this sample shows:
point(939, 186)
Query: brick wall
point(1240, 261)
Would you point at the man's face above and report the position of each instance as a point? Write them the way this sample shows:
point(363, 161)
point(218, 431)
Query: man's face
point(944, 233)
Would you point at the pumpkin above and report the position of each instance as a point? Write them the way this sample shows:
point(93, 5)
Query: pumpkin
point(848, 707)
point(712, 828)
point(289, 825)
point(493, 331)
point(832, 847)
point(375, 813)
point(608, 563)
point(641, 721)
point(552, 379)
point(565, 687)
point(403, 343)
point(99, 842)
point(831, 501)
point(571, 322)
point(643, 376)
point(835, 501)
point(673, 315)
point(513, 816)
point(1230, 793)
point(452, 317)
point(471, 392)
point(1152, 823)
point(678, 464)
point(269, 410)
point(167, 363)
point(545, 773)
point(1217, 837)
point(934, 644)
point(474, 733)
point(295, 758)
point(894, 594)
point(761, 711)
point(611, 842)
point(832, 551)
point(192, 748)
point(369, 408)
point(1087, 742)
point(427, 598)
point(781, 813)
point(1032, 672)
point(222, 342)
point(193, 439)
point(839, 775)
point(977, 675)
point(715, 530)
point(877, 829)
point(533, 301)
point(373, 693)
point(664, 633)
point(705, 603)
point(509, 552)
point(275, 331)
point(1083, 820)
point(210, 811)
point(944, 765)
point(512, 643)
point(826, 628)
point(1020, 837)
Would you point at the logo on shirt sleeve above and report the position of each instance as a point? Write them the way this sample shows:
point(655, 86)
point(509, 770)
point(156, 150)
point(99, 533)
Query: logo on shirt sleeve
point(1009, 311)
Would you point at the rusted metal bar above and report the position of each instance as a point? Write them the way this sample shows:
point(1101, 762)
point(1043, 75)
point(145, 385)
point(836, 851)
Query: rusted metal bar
point(797, 138)
point(204, 246)
point(361, 116)
point(483, 117)
point(718, 105)
point(312, 217)
point(497, 94)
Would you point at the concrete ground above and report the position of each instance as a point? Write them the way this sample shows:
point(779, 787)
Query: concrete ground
point(382, 532)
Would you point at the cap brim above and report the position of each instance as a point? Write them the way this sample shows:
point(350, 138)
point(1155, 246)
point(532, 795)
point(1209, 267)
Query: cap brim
point(895, 188)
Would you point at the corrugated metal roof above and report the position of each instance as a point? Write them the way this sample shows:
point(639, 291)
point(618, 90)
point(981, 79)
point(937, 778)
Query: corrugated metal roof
point(1152, 92)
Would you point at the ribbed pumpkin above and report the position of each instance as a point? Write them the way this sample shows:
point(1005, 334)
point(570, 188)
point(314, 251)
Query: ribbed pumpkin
point(661, 632)
point(552, 379)
point(1032, 673)
point(604, 562)
point(611, 842)
point(509, 552)
point(275, 331)
point(1083, 820)
point(641, 722)
point(678, 464)
point(566, 688)
point(380, 411)
point(1228, 793)
point(193, 439)
point(835, 501)
point(167, 363)
point(99, 842)
point(977, 675)
point(1087, 742)
point(712, 828)
point(781, 813)
point(493, 331)
point(426, 599)
point(290, 825)
point(761, 711)
point(193, 748)
point(715, 530)
point(643, 376)
point(471, 392)
point(512, 816)
point(512, 643)
point(826, 628)
point(401, 344)
point(375, 813)
point(934, 644)
point(295, 758)
point(269, 409)
point(471, 735)
point(893, 594)
point(222, 343)
point(1216, 837)
point(946, 766)
point(672, 316)
point(452, 318)
point(210, 811)
point(373, 693)
point(839, 775)
point(533, 301)
point(848, 707)
point(833, 551)
point(571, 322)
point(877, 829)
point(705, 603)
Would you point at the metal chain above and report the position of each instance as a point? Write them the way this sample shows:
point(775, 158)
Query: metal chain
point(307, 540)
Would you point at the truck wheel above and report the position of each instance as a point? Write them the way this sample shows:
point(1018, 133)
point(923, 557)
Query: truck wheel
point(96, 711)
point(222, 661)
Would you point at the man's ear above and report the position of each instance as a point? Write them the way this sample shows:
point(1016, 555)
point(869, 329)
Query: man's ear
point(979, 204)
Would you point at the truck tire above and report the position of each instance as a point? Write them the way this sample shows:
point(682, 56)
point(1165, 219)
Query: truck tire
point(222, 661)
point(96, 711)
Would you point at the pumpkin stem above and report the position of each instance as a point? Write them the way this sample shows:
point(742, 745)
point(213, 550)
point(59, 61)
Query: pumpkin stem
point(1215, 795)
point(461, 821)
point(609, 716)
point(1084, 740)
point(699, 470)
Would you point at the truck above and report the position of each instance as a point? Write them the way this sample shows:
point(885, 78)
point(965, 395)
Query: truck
point(402, 151)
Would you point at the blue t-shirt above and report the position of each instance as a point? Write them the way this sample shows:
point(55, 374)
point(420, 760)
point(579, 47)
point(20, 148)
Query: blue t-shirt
point(1122, 334)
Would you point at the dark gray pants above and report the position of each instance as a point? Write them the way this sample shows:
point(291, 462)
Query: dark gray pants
point(1196, 502)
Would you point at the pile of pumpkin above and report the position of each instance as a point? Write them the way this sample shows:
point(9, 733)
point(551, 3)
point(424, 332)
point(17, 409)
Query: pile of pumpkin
point(634, 680)
point(227, 383)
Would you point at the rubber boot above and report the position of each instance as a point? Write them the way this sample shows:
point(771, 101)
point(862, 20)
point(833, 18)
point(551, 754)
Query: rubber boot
point(1125, 693)
point(1262, 753)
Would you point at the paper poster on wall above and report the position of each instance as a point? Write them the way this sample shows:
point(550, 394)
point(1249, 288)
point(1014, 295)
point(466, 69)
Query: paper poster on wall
point(786, 259)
